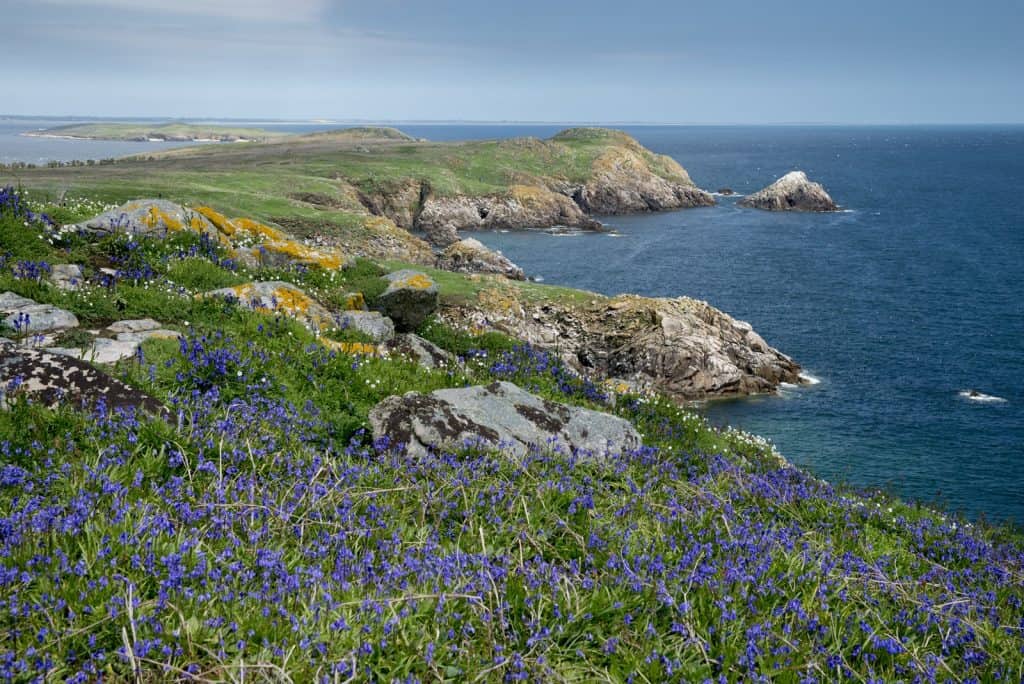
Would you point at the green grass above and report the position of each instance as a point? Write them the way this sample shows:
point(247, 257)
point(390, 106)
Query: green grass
point(132, 131)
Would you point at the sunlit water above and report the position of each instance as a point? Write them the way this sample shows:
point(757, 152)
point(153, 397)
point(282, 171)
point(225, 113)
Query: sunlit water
point(899, 305)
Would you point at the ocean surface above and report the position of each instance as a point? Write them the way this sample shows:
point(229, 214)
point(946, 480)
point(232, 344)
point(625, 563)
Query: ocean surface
point(906, 299)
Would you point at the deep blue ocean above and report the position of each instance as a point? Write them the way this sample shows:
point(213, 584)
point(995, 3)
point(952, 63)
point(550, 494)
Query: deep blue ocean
point(910, 296)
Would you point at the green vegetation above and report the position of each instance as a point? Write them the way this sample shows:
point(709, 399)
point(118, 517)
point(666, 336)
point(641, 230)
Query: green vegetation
point(260, 534)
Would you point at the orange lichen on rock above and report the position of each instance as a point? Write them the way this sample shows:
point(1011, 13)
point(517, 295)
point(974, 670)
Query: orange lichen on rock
point(155, 216)
point(292, 300)
point(353, 348)
point(258, 229)
point(326, 259)
point(417, 281)
point(221, 222)
point(355, 302)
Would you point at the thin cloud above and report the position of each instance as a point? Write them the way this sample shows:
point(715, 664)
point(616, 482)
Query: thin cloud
point(293, 11)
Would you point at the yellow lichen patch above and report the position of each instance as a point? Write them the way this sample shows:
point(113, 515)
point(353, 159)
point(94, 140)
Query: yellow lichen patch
point(355, 302)
point(417, 281)
point(155, 216)
point(326, 259)
point(500, 300)
point(258, 229)
point(291, 300)
point(221, 222)
point(353, 348)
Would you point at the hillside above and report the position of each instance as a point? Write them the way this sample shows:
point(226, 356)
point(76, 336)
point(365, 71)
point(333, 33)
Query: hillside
point(250, 521)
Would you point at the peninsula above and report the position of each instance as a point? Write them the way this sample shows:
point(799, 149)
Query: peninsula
point(166, 132)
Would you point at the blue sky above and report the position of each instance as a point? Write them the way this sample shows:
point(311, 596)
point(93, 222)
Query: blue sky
point(744, 61)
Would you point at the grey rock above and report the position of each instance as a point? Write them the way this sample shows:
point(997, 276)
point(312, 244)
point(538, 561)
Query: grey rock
point(792, 192)
point(28, 317)
point(133, 325)
point(501, 415)
point(410, 298)
point(149, 217)
point(472, 256)
point(424, 352)
point(67, 276)
point(441, 234)
point(56, 379)
point(380, 328)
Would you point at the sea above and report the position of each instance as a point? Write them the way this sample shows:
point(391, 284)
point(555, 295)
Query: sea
point(898, 306)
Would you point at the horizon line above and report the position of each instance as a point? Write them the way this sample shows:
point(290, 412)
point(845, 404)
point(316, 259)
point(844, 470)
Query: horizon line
point(485, 122)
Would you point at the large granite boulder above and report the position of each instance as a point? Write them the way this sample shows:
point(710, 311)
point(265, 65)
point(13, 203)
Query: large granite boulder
point(56, 379)
point(472, 256)
point(278, 296)
point(792, 192)
point(150, 218)
point(502, 415)
point(410, 298)
point(27, 317)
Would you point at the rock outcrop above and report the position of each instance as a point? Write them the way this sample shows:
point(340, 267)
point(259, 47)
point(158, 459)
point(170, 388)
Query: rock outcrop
point(373, 324)
point(500, 414)
point(523, 206)
point(278, 296)
point(472, 256)
point(410, 298)
point(55, 379)
point(27, 317)
point(683, 347)
point(792, 192)
point(252, 243)
point(423, 352)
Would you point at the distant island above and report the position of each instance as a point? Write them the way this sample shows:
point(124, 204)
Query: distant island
point(167, 132)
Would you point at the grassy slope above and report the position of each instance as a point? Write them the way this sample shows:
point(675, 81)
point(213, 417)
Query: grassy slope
point(133, 131)
point(260, 536)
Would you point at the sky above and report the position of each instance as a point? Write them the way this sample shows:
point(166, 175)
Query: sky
point(674, 61)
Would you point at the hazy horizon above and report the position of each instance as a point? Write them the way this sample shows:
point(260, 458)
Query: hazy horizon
point(876, 63)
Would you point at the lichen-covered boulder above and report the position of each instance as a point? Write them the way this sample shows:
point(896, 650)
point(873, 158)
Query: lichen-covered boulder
point(150, 218)
point(278, 296)
point(374, 324)
point(501, 415)
point(472, 256)
point(423, 352)
point(410, 298)
point(55, 379)
point(26, 316)
point(792, 192)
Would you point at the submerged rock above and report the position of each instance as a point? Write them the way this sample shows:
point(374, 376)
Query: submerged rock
point(410, 298)
point(792, 192)
point(56, 379)
point(501, 415)
point(472, 256)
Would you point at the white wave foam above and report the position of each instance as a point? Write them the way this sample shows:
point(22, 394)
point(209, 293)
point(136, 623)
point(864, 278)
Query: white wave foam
point(809, 379)
point(975, 395)
point(537, 279)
